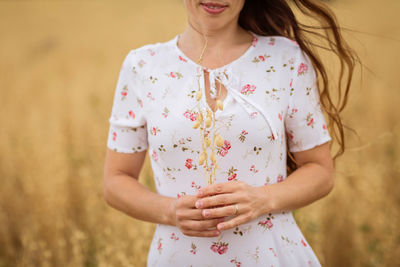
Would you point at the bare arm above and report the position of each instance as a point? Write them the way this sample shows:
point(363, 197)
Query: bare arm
point(123, 191)
point(313, 180)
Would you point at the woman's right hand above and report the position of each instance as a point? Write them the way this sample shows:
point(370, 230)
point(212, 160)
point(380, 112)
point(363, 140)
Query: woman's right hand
point(184, 214)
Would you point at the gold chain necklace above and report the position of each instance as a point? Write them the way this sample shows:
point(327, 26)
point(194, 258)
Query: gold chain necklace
point(209, 121)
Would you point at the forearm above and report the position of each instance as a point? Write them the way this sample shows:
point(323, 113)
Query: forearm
point(307, 184)
point(126, 194)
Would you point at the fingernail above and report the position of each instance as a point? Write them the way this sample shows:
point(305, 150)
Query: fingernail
point(216, 232)
point(220, 226)
point(199, 193)
point(206, 213)
point(199, 204)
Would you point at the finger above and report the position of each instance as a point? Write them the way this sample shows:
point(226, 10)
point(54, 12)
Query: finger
point(209, 233)
point(227, 187)
point(191, 214)
point(236, 221)
point(187, 201)
point(217, 200)
point(201, 225)
point(225, 211)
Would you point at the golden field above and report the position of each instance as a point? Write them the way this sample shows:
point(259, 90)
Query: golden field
point(58, 71)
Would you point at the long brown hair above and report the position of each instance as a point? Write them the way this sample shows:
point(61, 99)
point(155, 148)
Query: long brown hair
point(275, 17)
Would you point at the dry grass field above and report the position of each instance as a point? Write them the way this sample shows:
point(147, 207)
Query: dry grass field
point(59, 62)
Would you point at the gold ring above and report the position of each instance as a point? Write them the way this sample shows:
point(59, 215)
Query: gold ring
point(236, 209)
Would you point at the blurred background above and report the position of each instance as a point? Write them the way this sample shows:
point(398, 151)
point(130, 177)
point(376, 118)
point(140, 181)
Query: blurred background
point(59, 64)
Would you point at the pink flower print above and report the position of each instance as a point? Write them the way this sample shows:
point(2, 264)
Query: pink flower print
point(253, 114)
point(149, 95)
point(188, 163)
point(232, 177)
point(309, 263)
point(154, 155)
point(193, 249)
point(219, 247)
point(267, 224)
point(244, 132)
point(196, 186)
point(237, 263)
point(159, 247)
point(174, 237)
point(193, 116)
point(292, 112)
point(154, 130)
point(255, 40)
point(279, 178)
point(152, 53)
point(253, 169)
point(124, 93)
point(248, 89)
point(291, 82)
point(227, 144)
point(324, 126)
point(273, 251)
point(304, 243)
point(271, 41)
point(262, 58)
point(141, 63)
point(131, 114)
point(172, 74)
point(140, 102)
point(310, 120)
point(290, 135)
point(223, 151)
point(280, 116)
point(182, 59)
point(178, 195)
point(114, 136)
point(302, 69)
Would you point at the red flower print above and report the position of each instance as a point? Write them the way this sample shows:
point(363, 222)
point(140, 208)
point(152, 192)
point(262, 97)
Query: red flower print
point(273, 251)
point(302, 69)
point(290, 135)
point(114, 136)
point(271, 41)
point(140, 102)
point(131, 114)
point(188, 163)
point(304, 243)
point(154, 130)
point(233, 176)
point(237, 263)
point(244, 132)
point(182, 59)
point(279, 178)
point(262, 58)
point(324, 127)
point(124, 93)
point(280, 116)
point(310, 120)
point(253, 114)
point(291, 82)
point(172, 74)
point(152, 53)
point(193, 248)
point(219, 247)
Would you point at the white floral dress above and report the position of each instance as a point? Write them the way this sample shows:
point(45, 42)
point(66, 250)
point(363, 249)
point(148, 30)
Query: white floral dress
point(271, 95)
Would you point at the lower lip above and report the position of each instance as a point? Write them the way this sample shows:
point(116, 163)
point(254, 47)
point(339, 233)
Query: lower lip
point(214, 11)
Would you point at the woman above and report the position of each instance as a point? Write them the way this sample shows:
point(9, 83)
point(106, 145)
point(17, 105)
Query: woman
point(231, 115)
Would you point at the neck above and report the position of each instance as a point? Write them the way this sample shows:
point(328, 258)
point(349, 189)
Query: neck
point(193, 38)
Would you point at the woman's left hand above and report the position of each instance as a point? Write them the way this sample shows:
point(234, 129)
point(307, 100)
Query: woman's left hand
point(218, 200)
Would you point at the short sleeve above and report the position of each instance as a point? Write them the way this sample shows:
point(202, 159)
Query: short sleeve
point(305, 123)
point(128, 126)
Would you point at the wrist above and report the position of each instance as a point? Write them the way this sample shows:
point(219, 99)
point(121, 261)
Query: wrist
point(170, 212)
point(267, 199)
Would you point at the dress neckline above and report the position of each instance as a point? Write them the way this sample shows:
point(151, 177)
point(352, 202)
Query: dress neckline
point(230, 64)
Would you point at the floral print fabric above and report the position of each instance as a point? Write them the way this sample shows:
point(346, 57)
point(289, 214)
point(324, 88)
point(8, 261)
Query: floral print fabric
point(272, 96)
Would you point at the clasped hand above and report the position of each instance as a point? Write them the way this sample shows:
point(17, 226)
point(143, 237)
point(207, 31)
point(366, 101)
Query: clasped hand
point(204, 214)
